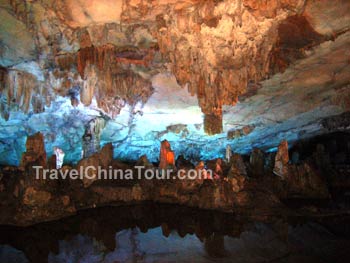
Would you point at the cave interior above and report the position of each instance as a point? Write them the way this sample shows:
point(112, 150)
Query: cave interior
point(251, 96)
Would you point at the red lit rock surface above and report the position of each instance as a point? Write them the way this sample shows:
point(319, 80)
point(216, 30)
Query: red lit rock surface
point(167, 156)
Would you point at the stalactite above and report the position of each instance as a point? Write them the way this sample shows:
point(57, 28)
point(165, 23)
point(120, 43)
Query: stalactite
point(213, 123)
point(20, 91)
point(110, 78)
point(66, 61)
point(3, 97)
point(218, 68)
point(89, 86)
point(84, 56)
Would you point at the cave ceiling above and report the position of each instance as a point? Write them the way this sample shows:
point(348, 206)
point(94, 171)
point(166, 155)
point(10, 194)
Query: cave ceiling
point(201, 74)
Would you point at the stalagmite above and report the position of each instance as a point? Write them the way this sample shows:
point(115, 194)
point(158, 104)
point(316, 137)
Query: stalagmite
point(281, 160)
point(167, 156)
point(238, 167)
point(91, 138)
point(228, 153)
point(35, 151)
point(257, 160)
point(59, 157)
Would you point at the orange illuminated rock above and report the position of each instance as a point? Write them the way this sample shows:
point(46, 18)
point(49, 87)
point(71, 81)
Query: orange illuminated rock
point(167, 156)
point(170, 158)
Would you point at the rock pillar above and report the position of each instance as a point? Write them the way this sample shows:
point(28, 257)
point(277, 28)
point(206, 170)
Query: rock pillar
point(91, 137)
point(167, 156)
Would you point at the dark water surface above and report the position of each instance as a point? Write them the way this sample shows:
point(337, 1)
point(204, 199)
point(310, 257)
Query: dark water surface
point(168, 233)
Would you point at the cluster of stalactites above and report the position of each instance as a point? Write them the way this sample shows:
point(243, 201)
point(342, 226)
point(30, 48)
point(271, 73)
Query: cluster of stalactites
point(108, 77)
point(21, 91)
point(216, 48)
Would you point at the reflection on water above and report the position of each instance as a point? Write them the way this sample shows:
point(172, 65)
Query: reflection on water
point(158, 233)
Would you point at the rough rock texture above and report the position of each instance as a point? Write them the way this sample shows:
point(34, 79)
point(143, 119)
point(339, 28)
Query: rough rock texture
point(237, 166)
point(281, 160)
point(26, 199)
point(166, 156)
point(22, 91)
point(33, 197)
point(106, 154)
point(34, 204)
point(91, 137)
point(282, 63)
point(214, 49)
point(256, 161)
point(90, 166)
point(109, 76)
point(35, 153)
point(305, 182)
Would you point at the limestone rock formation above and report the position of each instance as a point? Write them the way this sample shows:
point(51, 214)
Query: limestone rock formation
point(304, 181)
point(166, 156)
point(59, 153)
point(52, 162)
point(228, 153)
point(34, 197)
point(89, 167)
point(254, 69)
point(238, 167)
point(91, 137)
point(108, 76)
point(92, 166)
point(218, 51)
point(143, 161)
point(21, 91)
point(257, 160)
point(237, 190)
point(182, 163)
point(35, 151)
point(232, 134)
point(281, 160)
point(106, 155)
point(237, 173)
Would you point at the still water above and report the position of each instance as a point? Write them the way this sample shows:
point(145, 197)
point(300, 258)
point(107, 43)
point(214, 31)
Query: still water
point(166, 233)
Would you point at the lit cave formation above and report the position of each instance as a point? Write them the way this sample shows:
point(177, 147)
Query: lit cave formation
point(240, 109)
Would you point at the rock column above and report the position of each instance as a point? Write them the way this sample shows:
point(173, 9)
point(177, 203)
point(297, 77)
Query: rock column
point(35, 153)
point(167, 156)
point(281, 160)
point(91, 138)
